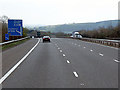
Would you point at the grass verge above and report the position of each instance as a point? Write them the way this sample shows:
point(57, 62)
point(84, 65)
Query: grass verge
point(7, 46)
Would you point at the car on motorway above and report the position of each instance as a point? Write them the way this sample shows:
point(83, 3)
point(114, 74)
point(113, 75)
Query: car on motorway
point(46, 38)
point(77, 35)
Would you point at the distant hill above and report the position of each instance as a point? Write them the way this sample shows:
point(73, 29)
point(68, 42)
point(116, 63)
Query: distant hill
point(68, 28)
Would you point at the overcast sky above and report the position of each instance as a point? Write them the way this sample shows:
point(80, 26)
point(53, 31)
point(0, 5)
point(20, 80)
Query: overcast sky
point(52, 12)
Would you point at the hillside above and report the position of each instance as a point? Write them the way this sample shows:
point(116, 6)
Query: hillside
point(68, 28)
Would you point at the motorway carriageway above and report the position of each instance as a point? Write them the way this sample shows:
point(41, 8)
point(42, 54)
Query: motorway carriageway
point(63, 63)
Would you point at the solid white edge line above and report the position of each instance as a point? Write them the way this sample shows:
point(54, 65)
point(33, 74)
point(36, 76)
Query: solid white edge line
point(75, 73)
point(116, 60)
point(15, 66)
point(68, 61)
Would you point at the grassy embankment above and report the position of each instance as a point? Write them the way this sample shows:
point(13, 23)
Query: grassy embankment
point(7, 46)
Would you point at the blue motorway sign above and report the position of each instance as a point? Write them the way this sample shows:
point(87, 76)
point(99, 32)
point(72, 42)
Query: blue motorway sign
point(6, 36)
point(15, 27)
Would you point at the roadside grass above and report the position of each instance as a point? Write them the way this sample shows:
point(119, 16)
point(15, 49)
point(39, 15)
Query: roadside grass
point(7, 46)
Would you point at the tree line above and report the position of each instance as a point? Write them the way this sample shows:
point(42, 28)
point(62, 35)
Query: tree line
point(102, 33)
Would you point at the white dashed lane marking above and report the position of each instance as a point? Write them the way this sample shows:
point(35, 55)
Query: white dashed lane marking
point(101, 54)
point(84, 47)
point(75, 73)
point(82, 84)
point(116, 60)
point(60, 50)
point(63, 55)
point(91, 50)
point(68, 61)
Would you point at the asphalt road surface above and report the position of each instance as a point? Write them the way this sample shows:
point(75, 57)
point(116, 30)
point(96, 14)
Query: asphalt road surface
point(11, 56)
point(66, 63)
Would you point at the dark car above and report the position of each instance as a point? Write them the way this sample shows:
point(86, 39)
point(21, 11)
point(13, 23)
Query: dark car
point(46, 38)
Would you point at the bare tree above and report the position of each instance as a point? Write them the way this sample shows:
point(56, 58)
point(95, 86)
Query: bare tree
point(4, 19)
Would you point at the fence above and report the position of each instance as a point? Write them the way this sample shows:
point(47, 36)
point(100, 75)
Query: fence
point(114, 43)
